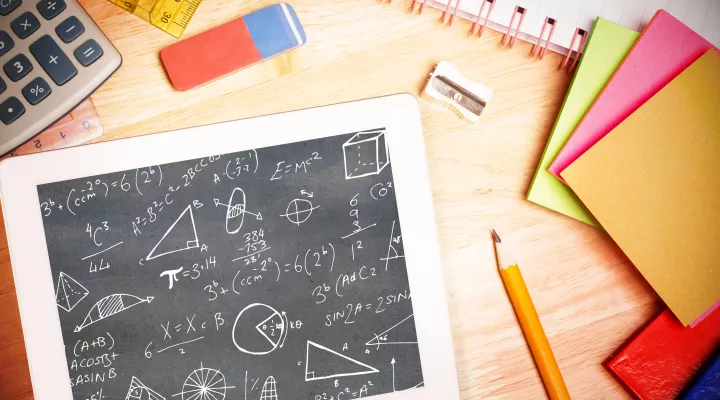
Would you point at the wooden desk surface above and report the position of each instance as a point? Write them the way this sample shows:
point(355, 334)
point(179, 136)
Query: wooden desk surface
point(588, 295)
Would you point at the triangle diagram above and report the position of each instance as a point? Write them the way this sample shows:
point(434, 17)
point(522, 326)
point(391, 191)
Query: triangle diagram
point(138, 391)
point(393, 253)
point(181, 236)
point(395, 245)
point(323, 363)
point(401, 333)
point(69, 292)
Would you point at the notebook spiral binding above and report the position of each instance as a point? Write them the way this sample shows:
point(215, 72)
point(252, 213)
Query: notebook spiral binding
point(569, 61)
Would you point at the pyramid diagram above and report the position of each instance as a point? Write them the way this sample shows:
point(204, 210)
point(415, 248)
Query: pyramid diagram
point(138, 391)
point(69, 292)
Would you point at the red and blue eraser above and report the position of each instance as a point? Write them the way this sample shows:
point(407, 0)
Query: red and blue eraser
point(233, 46)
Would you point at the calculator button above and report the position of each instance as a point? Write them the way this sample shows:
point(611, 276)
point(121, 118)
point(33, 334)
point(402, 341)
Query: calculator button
point(3, 86)
point(70, 29)
point(8, 6)
point(88, 52)
point(17, 67)
point(52, 59)
point(6, 42)
point(36, 91)
point(50, 9)
point(11, 110)
point(25, 25)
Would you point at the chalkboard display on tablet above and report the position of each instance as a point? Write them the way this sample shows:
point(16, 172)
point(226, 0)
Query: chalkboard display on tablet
point(274, 273)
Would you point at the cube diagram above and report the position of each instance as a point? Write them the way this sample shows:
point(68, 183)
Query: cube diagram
point(366, 153)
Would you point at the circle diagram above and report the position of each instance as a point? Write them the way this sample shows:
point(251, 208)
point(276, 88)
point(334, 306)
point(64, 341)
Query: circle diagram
point(259, 329)
point(298, 211)
point(204, 384)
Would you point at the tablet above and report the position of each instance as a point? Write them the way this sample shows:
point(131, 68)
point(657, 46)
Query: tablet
point(291, 256)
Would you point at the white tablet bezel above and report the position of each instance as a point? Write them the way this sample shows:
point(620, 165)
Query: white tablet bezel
point(399, 114)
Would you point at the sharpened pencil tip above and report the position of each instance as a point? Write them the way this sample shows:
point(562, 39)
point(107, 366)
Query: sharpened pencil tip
point(496, 237)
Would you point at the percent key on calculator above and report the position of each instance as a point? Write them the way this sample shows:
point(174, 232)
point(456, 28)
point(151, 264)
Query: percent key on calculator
point(36, 91)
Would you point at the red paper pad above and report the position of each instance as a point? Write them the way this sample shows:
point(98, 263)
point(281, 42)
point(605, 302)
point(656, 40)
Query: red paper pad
point(664, 356)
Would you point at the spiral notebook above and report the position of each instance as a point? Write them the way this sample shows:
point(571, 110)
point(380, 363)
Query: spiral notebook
point(563, 26)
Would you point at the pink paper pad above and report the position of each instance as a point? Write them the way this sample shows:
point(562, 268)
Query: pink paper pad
point(705, 314)
point(665, 48)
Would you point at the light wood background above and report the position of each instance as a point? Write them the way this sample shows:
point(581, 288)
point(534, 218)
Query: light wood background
point(588, 295)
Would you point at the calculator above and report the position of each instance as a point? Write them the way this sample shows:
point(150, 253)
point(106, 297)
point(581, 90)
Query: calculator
point(53, 56)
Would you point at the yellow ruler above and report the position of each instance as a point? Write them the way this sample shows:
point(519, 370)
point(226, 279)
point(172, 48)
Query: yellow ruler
point(172, 16)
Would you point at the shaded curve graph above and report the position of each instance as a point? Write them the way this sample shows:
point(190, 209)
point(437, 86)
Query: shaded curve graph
point(109, 306)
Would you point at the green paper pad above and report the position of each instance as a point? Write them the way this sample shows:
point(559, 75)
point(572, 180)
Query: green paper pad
point(606, 48)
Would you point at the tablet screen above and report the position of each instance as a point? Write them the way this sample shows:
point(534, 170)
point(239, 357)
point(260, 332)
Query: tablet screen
point(272, 273)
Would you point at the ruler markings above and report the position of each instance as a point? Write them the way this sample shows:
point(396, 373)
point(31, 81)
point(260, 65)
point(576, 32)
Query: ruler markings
point(170, 16)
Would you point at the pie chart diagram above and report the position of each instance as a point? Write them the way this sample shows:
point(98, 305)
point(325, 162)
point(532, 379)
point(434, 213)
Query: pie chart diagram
point(259, 329)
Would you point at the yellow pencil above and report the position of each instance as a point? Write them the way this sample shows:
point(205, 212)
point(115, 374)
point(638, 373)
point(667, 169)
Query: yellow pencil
point(529, 321)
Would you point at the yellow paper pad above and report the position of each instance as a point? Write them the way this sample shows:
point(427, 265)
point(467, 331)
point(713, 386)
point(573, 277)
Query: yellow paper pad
point(654, 185)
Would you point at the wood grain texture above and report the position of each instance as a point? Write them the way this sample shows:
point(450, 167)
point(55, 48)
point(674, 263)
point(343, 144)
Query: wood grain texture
point(588, 295)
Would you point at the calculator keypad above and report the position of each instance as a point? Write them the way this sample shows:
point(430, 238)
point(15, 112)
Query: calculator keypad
point(10, 110)
point(36, 91)
point(70, 29)
point(8, 6)
point(45, 51)
point(52, 59)
point(50, 9)
point(6, 42)
point(25, 25)
point(17, 67)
